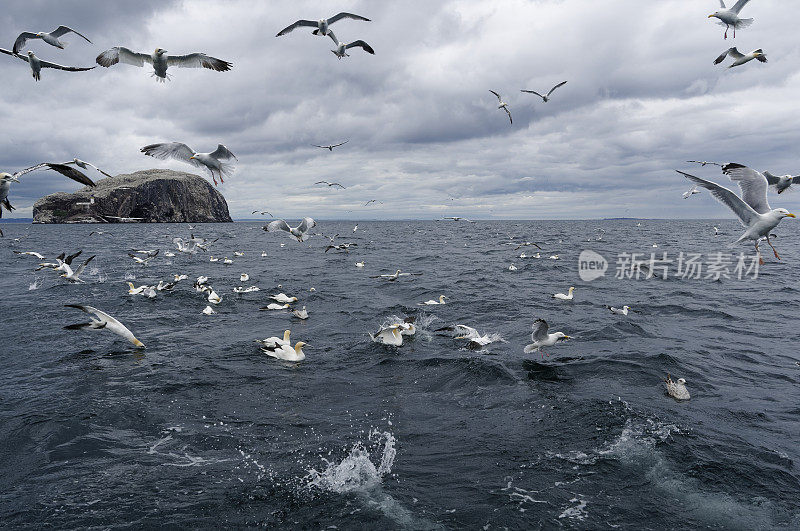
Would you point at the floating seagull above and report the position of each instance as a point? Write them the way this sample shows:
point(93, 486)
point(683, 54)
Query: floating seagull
point(677, 389)
point(213, 297)
point(244, 277)
point(690, 193)
point(388, 335)
point(213, 162)
point(752, 208)
point(142, 261)
point(286, 352)
point(301, 314)
point(541, 337)
point(272, 342)
point(7, 178)
point(50, 38)
point(503, 105)
point(331, 146)
point(372, 201)
point(781, 183)
point(730, 17)
point(300, 232)
point(433, 302)
point(322, 26)
point(37, 64)
point(331, 184)
point(512, 267)
point(263, 254)
point(546, 97)
point(360, 264)
point(274, 306)
point(161, 61)
point(618, 311)
point(30, 253)
point(704, 163)
point(103, 321)
point(567, 297)
point(341, 48)
point(397, 274)
point(740, 58)
point(208, 310)
point(74, 276)
point(282, 297)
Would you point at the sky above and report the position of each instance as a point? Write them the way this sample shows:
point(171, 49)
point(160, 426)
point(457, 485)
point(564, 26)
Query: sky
point(425, 135)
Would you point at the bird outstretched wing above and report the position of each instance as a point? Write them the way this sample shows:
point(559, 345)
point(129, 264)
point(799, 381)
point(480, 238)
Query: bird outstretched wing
point(48, 64)
point(222, 153)
point(540, 328)
point(742, 210)
point(298, 24)
point(753, 185)
point(342, 15)
point(733, 52)
point(277, 225)
point(360, 44)
point(63, 30)
point(739, 5)
point(554, 88)
point(120, 54)
point(171, 150)
point(199, 60)
point(63, 169)
point(23, 37)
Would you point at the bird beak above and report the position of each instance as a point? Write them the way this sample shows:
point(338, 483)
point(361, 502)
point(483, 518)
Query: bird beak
point(710, 16)
point(191, 157)
point(791, 215)
point(567, 337)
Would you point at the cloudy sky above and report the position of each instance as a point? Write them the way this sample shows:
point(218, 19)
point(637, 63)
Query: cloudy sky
point(425, 135)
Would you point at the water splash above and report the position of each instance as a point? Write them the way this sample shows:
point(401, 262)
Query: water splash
point(35, 284)
point(130, 276)
point(356, 472)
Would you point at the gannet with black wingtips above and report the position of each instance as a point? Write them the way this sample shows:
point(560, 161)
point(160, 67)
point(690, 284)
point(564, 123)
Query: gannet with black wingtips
point(102, 321)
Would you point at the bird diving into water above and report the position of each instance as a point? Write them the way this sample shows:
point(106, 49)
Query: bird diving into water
point(216, 161)
point(161, 61)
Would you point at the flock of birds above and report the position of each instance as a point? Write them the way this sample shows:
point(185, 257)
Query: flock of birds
point(752, 208)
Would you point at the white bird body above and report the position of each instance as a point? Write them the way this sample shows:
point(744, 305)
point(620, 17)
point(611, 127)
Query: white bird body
point(282, 297)
point(322, 25)
point(740, 58)
point(272, 342)
point(161, 61)
point(51, 38)
point(503, 105)
point(781, 183)
point(286, 352)
point(360, 264)
point(388, 335)
point(341, 47)
point(213, 297)
point(541, 338)
point(227, 261)
point(512, 267)
point(300, 232)
point(275, 306)
point(545, 97)
point(74, 276)
point(30, 253)
point(133, 290)
point(434, 302)
point(677, 389)
point(37, 64)
point(730, 17)
point(301, 314)
point(690, 193)
point(208, 310)
point(619, 311)
point(103, 321)
point(562, 297)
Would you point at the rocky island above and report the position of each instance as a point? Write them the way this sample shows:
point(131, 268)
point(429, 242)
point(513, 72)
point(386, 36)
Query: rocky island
point(148, 196)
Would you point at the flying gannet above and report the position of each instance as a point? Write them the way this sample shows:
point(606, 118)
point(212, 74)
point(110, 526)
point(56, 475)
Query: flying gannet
point(37, 64)
point(503, 105)
point(7, 178)
point(50, 38)
point(161, 61)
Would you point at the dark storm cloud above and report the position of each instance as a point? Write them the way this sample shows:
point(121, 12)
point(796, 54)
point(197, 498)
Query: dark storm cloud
point(425, 134)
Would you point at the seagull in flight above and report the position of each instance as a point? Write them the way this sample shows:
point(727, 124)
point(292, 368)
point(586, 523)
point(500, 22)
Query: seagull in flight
point(704, 163)
point(7, 178)
point(372, 201)
point(50, 38)
point(331, 184)
point(752, 209)
point(37, 64)
point(331, 146)
point(690, 193)
point(541, 337)
point(322, 26)
point(263, 213)
point(216, 161)
point(730, 17)
point(300, 232)
point(503, 105)
point(546, 97)
point(102, 321)
point(781, 183)
point(85, 165)
point(740, 58)
point(161, 61)
point(341, 47)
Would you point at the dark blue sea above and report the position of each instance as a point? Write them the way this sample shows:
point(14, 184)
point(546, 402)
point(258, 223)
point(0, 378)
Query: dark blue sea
point(202, 430)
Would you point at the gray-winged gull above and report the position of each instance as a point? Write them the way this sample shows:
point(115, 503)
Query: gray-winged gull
point(216, 161)
point(161, 61)
point(752, 208)
point(503, 105)
point(739, 58)
point(7, 178)
point(541, 337)
point(300, 232)
point(546, 97)
point(322, 26)
point(50, 38)
point(730, 17)
point(37, 64)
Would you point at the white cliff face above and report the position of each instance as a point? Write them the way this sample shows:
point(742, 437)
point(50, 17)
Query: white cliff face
point(156, 196)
